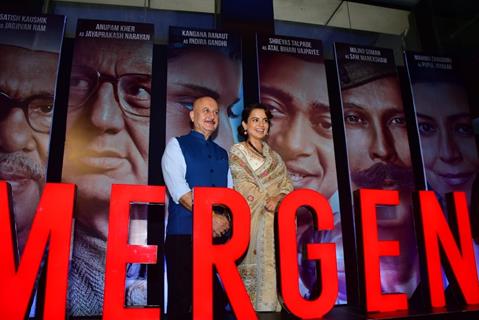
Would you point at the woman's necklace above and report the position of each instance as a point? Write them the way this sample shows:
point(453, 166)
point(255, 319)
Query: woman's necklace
point(257, 151)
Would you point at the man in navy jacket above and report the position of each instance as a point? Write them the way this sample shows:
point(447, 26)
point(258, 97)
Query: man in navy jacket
point(190, 161)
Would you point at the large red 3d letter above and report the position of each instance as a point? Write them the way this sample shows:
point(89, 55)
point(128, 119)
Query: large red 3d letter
point(207, 255)
point(52, 224)
point(374, 248)
point(119, 252)
point(325, 253)
point(435, 230)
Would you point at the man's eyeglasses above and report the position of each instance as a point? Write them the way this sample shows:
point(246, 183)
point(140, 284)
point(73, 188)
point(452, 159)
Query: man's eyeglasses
point(132, 90)
point(38, 110)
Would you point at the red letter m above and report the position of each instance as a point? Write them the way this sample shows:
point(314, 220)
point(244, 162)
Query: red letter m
point(52, 225)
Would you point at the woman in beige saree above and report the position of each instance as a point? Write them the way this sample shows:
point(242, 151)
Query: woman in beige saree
point(260, 175)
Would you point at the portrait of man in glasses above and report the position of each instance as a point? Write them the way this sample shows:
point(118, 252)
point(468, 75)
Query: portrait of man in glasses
point(106, 143)
point(27, 86)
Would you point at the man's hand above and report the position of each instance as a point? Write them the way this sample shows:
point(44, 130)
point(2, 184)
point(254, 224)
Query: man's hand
point(187, 200)
point(220, 225)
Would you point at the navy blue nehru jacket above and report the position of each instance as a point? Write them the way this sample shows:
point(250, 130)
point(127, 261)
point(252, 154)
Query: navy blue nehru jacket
point(206, 166)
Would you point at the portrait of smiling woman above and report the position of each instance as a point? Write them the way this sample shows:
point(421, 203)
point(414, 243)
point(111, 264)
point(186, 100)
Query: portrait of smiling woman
point(260, 175)
point(448, 144)
point(447, 139)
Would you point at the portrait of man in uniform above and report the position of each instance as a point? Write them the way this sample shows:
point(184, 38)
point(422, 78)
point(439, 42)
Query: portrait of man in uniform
point(379, 157)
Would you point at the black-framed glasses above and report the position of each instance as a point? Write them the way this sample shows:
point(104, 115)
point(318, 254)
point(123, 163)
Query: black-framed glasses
point(38, 110)
point(132, 90)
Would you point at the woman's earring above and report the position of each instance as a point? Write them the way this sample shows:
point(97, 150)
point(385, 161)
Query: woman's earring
point(246, 132)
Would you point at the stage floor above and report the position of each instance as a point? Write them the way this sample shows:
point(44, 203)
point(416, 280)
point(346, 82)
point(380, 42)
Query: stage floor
point(351, 313)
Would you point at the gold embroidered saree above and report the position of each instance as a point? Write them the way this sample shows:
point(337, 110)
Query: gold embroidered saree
point(257, 179)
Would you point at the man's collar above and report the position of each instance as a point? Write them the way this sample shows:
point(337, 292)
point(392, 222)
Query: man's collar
point(199, 135)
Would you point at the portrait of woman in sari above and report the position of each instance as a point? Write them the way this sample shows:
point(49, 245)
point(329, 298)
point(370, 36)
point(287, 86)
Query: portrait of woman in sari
point(260, 175)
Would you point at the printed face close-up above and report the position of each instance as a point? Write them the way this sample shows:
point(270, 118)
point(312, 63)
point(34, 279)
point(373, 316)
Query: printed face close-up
point(198, 72)
point(447, 138)
point(27, 86)
point(377, 144)
point(295, 91)
point(376, 133)
point(107, 122)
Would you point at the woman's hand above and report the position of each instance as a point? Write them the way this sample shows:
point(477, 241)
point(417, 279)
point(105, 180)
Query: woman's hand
point(272, 202)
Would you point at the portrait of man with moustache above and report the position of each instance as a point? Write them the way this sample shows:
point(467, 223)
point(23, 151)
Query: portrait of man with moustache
point(294, 88)
point(27, 87)
point(379, 158)
point(107, 140)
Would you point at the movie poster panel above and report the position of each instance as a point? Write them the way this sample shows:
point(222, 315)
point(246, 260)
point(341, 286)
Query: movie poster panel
point(379, 154)
point(292, 80)
point(203, 63)
point(448, 145)
point(107, 138)
point(29, 57)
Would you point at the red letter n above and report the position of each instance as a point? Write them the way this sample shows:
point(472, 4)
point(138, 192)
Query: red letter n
point(461, 260)
point(52, 224)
